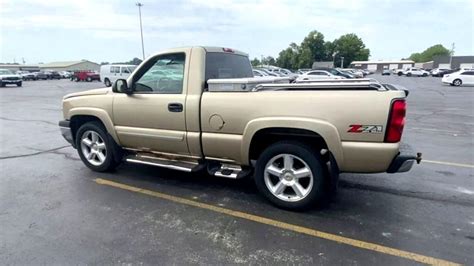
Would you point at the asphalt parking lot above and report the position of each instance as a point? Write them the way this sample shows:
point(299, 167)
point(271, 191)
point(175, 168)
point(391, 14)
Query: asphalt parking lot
point(54, 210)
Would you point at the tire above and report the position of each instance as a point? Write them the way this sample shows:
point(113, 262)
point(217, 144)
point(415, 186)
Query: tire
point(19, 84)
point(457, 82)
point(2, 84)
point(425, 75)
point(400, 73)
point(100, 153)
point(311, 186)
point(107, 82)
point(88, 79)
point(408, 74)
point(76, 79)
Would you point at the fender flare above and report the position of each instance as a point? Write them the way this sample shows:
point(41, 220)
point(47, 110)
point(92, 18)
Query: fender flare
point(326, 130)
point(101, 114)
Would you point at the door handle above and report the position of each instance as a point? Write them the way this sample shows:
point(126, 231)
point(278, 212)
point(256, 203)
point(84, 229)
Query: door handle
point(175, 107)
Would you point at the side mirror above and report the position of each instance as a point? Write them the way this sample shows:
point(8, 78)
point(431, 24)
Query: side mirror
point(120, 86)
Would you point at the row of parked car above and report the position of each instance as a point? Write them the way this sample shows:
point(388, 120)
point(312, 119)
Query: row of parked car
point(43, 74)
point(305, 75)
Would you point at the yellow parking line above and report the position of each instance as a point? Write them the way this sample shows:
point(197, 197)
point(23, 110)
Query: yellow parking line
point(282, 225)
point(449, 163)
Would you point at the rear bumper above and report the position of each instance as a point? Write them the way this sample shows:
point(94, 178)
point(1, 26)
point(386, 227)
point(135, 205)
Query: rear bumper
point(65, 128)
point(404, 161)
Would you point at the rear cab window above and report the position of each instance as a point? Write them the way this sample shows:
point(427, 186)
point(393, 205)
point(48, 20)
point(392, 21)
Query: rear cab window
point(221, 65)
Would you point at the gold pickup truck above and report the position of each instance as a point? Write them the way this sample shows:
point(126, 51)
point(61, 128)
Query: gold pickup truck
point(176, 111)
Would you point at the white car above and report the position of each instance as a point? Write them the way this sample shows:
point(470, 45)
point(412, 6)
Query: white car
point(459, 78)
point(317, 75)
point(413, 71)
point(110, 73)
point(9, 77)
point(259, 73)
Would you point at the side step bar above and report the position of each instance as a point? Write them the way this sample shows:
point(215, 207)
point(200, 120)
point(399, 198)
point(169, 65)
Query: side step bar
point(185, 166)
point(227, 170)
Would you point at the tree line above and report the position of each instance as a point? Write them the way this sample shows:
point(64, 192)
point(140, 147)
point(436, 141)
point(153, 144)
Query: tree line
point(428, 54)
point(314, 48)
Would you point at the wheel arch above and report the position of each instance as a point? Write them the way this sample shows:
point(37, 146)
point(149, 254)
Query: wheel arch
point(79, 116)
point(260, 133)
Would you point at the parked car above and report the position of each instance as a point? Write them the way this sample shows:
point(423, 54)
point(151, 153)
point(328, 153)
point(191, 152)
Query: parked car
point(317, 75)
point(386, 72)
point(9, 77)
point(85, 76)
point(293, 139)
point(439, 72)
point(303, 70)
point(463, 77)
point(110, 73)
point(26, 75)
point(65, 74)
point(266, 71)
point(259, 73)
point(54, 75)
point(413, 71)
point(355, 72)
point(336, 72)
point(44, 75)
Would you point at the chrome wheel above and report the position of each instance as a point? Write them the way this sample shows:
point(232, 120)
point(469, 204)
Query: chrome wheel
point(93, 148)
point(288, 177)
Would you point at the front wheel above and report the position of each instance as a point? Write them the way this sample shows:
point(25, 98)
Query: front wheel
point(88, 79)
point(95, 148)
point(19, 84)
point(408, 74)
point(290, 175)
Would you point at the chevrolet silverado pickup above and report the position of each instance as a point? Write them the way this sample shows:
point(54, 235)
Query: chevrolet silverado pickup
point(200, 109)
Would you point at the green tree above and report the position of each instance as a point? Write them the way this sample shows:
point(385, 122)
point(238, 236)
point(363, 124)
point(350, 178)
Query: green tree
point(430, 53)
point(269, 61)
point(351, 47)
point(255, 62)
point(288, 57)
point(312, 48)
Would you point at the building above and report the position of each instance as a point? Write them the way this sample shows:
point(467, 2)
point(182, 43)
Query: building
point(425, 65)
point(17, 67)
point(378, 66)
point(456, 62)
point(70, 66)
point(323, 64)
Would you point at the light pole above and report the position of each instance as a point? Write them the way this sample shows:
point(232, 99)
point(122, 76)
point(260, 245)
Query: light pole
point(141, 29)
point(342, 61)
point(451, 55)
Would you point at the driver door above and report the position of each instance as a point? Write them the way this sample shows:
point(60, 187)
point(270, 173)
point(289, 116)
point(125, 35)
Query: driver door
point(152, 118)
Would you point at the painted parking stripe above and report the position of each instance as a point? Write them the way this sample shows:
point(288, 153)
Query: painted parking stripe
point(449, 163)
point(282, 225)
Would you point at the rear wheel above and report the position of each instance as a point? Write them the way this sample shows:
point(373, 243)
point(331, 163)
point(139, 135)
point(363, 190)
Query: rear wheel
point(88, 79)
point(408, 74)
point(107, 82)
point(400, 73)
point(457, 82)
point(290, 175)
point(19, 84)
point(95, 147)
point(76, 79)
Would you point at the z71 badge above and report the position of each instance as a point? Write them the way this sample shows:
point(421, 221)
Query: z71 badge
point(365, 129)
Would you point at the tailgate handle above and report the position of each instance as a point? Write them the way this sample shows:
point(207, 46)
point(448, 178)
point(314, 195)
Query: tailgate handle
point(175, 107)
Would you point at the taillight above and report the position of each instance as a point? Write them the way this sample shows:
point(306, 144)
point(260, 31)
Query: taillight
point(396, 121)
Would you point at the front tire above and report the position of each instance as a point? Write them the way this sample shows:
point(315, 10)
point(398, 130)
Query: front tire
point(95, 147)
point(290, 175)
point(19, 84)
point(88, 79)
point(457, 82)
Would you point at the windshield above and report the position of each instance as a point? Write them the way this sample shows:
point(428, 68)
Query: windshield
point(5, 72)
point(227, 65)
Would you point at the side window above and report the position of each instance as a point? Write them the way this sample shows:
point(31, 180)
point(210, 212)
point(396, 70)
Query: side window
point(114, 69)
point(470, 73)
point(162, 75)
point(125, 70)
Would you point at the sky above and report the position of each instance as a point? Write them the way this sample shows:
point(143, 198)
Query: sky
point(109, 31)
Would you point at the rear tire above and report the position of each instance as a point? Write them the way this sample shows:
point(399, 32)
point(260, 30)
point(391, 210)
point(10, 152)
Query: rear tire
point(400, 73)
point(88, 79)
point(19, 84)
point(107, 82)
point(291, 175)
point(76, 79)
point(96, 149)
point(457, 82)
point(408, 74)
